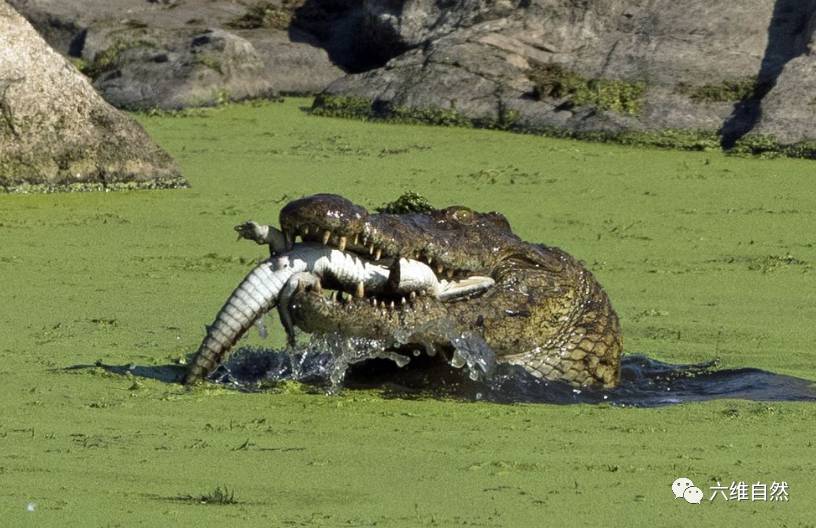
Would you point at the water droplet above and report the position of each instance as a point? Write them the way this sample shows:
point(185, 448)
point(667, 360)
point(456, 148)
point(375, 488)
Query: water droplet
point(457, 361)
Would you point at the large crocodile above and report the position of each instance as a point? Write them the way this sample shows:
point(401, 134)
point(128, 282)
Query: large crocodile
point(425, 277)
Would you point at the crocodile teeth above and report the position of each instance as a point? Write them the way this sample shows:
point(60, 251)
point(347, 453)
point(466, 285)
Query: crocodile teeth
point(326, 236)
point(356, 239)
point(430, 260)
point(439, 269)
point(359, 292)
point(378, 255)
point(403, 301)
point(342, 243)
point(371, 249)
point(412, 296)
point(392, 305)
point(449, 273)
point(305, 230)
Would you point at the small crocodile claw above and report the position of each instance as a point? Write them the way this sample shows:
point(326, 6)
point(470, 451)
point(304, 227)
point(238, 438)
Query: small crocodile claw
point(251, 231)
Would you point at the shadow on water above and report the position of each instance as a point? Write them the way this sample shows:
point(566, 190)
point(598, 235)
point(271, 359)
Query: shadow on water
point(163, 373)
point(788, 37)
point(645, 382)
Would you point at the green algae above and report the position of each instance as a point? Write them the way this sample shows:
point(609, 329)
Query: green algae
point(267, 15)
point(703, 256)
point(730, 90)
point(407, 202)
point(108, 59)
point(758, 145)
point(555, 81)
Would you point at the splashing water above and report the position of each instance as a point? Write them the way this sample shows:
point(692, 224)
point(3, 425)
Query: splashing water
point(468, 349)
point(470, 372)
point(325, 358)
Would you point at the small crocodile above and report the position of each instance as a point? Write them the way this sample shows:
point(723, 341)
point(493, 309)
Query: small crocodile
point(425, 277)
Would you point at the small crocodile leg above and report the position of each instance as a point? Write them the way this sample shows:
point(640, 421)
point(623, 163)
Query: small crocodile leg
point(297, 283)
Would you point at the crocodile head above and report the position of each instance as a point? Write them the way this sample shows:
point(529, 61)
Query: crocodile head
point(455, 242)
point(544, 311)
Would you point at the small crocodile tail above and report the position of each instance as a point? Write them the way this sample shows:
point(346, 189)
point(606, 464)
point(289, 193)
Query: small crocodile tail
point(256, 295)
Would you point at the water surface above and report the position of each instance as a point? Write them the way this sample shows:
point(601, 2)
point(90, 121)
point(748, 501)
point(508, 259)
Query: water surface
point(472, 373)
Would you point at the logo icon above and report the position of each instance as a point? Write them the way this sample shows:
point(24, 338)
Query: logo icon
point(680, 485)
point(693, 495)
point(685, 488)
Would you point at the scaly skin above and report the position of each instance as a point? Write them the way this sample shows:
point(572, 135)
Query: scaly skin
point(546, 312)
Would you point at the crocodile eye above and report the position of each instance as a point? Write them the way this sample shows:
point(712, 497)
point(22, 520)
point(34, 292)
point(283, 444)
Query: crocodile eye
point(463, 215)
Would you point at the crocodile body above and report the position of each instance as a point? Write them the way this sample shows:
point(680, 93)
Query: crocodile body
point(441, 273)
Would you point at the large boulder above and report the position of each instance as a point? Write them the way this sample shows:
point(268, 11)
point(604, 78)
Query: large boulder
point(788, 111)
point(605, 67)
point(171, 54)
point(56, 132)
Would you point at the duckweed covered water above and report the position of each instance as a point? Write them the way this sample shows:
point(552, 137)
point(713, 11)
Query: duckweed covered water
point(704, 256)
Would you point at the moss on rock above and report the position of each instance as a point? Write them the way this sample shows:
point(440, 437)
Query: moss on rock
point(267, 15)
point(361, 108)
point(681, 139)
point(555, 81)
point(107, 59)
point(730, 90)
point(766, 146)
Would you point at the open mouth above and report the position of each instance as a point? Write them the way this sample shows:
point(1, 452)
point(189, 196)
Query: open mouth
point(410, 273)
point(386, 270)
point(365, 244)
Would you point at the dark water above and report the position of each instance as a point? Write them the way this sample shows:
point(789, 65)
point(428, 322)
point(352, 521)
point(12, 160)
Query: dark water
point(331, 363)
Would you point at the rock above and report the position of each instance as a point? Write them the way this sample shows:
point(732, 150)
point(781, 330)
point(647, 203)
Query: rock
point(57, 133)
point(130, 68)
point(182, 53)
point(714, 70)
point(295, 61)
point(412, 23)
point(740, 69)
point(788, 111)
